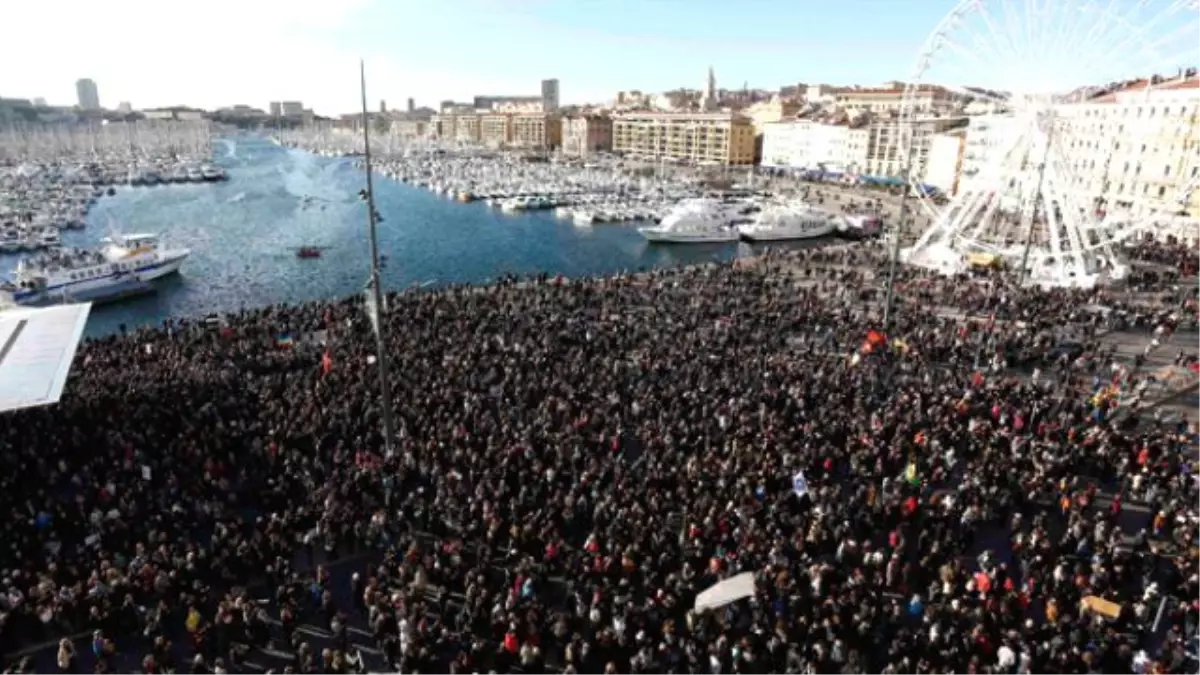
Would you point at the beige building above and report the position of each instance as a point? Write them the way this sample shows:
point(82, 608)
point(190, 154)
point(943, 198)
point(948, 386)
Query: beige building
point(524, 129)
point(925, 99)
point(496, 129)
point(410, 128)
point(702, 138)
point(585, 134)
point(460, 126)
point(537, 130)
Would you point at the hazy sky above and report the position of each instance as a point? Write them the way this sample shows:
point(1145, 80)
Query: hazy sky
point(221, 52)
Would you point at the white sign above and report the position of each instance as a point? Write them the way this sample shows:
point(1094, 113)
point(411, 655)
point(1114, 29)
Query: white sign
point(799, 484)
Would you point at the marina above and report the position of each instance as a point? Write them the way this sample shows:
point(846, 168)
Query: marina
point(51, 178)
point(245, 236)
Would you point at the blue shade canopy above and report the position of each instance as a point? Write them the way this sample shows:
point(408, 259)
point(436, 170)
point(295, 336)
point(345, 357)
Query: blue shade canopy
point(36, 350)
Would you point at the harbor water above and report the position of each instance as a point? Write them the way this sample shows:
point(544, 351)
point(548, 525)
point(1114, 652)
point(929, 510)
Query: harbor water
point(243, 233)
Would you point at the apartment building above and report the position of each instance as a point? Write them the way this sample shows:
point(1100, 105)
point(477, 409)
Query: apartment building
point(702, 138)
point(496, 129)
point(924, 99)
point(814, 145)
point(585, 134)
point(456, 126)
point(887, 143)
point(523, 129)
point(409, 128)
point(1135, 149)
point(537, 130)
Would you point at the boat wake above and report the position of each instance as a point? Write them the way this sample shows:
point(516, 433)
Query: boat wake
point(230, 148)
point(237, 198)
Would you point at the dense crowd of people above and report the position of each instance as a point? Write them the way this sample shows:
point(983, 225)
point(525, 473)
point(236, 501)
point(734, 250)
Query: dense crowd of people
point(575, 460)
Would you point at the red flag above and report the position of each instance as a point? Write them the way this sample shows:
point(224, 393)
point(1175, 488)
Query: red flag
point(326, 363)
point(874, 339)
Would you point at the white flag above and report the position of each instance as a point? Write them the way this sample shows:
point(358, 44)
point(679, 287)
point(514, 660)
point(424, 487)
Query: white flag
point(799, 484)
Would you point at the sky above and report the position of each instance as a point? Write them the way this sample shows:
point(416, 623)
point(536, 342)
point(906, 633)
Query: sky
point(217, 53)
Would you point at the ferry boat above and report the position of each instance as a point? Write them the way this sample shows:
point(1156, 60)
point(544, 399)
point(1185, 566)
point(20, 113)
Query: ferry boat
point(788, 222)
point(126, 265)
point(695, 221)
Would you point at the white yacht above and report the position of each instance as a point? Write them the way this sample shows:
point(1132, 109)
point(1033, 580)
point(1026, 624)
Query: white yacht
point(695, 221)
point(789, 221)
point(125, 265)
point(48, 238)
point(10, 240)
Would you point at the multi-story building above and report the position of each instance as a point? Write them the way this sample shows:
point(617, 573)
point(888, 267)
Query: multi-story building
point(886, 145)
point(702, 138)
point(89, 96)
point(291, 108)
point(275, 108)
point(631, 100)
point(496, 129)
point(537, 130)
point(924, 99)
point(1133, 149)
point(585, 134)
point(813, 145)
point(550, 95)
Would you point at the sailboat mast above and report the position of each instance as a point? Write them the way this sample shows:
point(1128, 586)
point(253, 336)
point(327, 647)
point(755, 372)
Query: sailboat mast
point(381, 356)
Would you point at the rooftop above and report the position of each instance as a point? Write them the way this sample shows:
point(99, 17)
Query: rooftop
point(1149, 85)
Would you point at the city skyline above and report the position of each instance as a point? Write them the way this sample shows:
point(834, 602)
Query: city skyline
point(253, 53)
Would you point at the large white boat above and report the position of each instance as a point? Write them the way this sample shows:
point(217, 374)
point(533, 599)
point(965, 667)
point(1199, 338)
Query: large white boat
point(695, 221)
point(126, 265)
point(789, 221)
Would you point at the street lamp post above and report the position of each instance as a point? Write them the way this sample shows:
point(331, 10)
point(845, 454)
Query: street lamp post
point(888, 309)
point(376, 290)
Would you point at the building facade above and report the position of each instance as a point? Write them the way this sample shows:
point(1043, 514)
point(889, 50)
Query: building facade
point(542, 131)
point(1135, 149)
point(550, 95)
point(499, 128)
point(924, 99)
point(812, 145)
point(291, 108)
point(584, 134)
point(887, 155)
point(88, 94)
point(701, 138)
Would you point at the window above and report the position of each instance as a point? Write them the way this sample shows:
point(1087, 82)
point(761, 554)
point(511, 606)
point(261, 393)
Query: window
point(1162, 192)
point(1167, 171)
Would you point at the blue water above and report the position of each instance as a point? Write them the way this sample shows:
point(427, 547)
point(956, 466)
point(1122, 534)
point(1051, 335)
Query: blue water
point(241, 234)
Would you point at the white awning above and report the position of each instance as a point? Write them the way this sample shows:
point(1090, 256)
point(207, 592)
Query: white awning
point(36, 350)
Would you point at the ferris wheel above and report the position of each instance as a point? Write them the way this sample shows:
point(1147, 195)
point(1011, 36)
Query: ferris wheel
point(1065, 110)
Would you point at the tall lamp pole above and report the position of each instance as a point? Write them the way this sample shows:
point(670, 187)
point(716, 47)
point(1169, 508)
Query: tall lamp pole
point(376, 290)
point(888, 308)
